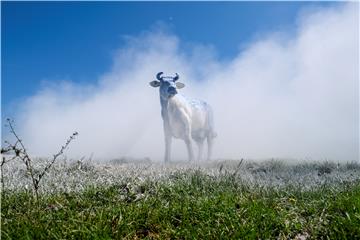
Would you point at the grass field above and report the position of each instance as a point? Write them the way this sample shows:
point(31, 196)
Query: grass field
point(210, 200)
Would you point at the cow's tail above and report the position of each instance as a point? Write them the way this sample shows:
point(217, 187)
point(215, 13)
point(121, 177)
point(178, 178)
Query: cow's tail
point(212, 133)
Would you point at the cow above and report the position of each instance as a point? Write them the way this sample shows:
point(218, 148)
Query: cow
point(184, 118)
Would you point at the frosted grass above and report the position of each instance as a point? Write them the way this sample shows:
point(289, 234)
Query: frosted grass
point(74, 176)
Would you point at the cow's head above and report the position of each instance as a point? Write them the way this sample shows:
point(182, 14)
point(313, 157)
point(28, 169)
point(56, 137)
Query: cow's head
point(168, 85)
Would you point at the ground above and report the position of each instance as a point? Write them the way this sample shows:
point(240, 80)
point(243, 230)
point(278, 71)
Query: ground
point(132, 199)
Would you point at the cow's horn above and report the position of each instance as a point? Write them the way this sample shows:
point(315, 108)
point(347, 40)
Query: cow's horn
point(176, 77)
point(158, 76)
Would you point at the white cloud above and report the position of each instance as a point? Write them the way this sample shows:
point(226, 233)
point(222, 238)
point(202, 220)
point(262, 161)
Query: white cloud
point(293, 97)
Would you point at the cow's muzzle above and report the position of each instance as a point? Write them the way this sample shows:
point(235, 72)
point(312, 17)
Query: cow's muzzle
point(172, 91)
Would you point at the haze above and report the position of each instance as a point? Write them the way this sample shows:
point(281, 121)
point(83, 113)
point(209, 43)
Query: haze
point(293, 96)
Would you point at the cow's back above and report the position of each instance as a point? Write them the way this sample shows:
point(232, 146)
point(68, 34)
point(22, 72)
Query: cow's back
point(190, 115)
point(201, 125)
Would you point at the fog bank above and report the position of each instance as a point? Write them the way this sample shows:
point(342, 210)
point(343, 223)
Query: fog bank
point(284, 96)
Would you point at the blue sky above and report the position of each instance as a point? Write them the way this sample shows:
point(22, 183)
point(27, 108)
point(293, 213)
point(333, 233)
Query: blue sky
point(53, 41)
point(282, 77)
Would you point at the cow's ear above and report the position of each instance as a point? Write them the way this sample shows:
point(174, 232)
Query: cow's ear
point(155, 83)
point(179, 85)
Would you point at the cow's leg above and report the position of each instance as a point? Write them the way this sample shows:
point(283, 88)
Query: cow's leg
point(167, 147)
point(200, 144)
point(189, 148)
point(210, 146)
point(187, 133)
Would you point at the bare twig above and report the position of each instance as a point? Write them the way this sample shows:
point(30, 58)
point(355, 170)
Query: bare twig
point(20, 152)
point(55, 156)
point(23, 155)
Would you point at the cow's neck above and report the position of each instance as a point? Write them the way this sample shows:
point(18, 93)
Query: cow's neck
point(165, 106)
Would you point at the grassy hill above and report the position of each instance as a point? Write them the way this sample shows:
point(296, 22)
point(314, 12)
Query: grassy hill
point(209, 200)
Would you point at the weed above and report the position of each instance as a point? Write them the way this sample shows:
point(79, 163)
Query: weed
point(20, 152)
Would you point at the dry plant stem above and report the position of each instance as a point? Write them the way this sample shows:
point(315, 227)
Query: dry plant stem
point(24, 156)
point(55, 156)
point(3, 161)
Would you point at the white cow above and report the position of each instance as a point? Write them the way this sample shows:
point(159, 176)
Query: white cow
point(183, 118)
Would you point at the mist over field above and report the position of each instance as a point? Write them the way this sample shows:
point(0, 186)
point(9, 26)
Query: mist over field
point(284, 95)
